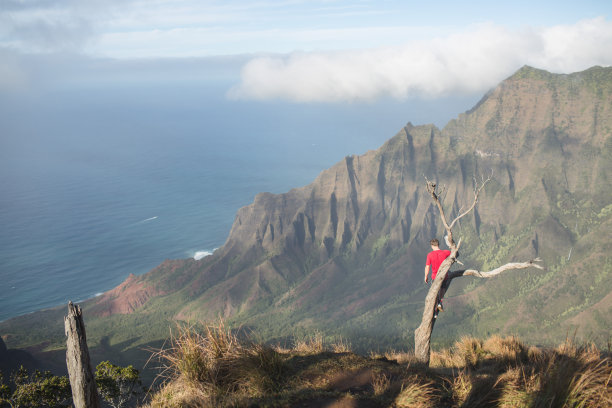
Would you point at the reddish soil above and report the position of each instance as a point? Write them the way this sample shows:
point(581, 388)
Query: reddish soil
point(125, 298)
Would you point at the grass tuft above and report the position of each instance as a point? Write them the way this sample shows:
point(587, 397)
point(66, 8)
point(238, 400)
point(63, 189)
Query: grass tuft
point(517, 389)
point(380, 383)
point(468, 352)
point(507, 351)
point(417, 394)
point(310, 345)
point(215, 365)
point(341, 346)
point(460, 387)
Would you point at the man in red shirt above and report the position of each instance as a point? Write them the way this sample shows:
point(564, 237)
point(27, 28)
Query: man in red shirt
point(435, 259)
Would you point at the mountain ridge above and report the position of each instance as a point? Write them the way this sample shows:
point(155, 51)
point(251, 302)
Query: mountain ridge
point(344, 254)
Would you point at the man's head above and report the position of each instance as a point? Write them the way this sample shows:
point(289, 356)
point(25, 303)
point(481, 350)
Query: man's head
point(434, 242)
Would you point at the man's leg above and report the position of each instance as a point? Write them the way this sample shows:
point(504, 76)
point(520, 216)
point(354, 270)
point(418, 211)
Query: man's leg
point(443, 289)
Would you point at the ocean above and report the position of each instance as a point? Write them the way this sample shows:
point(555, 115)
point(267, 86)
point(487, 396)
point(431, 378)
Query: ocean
point(102, 180)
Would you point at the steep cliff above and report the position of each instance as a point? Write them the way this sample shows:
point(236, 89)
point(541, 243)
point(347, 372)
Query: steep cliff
point(345, 254)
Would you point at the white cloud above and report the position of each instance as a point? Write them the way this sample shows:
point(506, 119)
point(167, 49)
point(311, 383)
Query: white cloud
point(468, 61)
point(171, 28)
point(51, 26)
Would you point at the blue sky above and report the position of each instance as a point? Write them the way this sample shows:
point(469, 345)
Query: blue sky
point(311, 51)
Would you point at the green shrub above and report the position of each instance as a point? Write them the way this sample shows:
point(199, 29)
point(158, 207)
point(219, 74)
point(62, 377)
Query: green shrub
point(40, 389)
point(117, 385)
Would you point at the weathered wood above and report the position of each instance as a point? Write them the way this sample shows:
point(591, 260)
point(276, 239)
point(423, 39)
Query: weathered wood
point(496, 271)
point(422, 335)
point(82, 380)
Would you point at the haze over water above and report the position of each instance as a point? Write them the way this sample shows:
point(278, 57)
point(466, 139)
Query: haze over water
point(102, 181)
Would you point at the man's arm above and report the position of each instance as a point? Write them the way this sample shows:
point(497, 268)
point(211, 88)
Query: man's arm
point(426, 272)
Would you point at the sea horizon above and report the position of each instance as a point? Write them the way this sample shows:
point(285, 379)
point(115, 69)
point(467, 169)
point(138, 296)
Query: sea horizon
point(104, 181)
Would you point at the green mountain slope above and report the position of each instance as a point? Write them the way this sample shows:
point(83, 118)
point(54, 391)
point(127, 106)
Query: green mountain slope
point(346, 253)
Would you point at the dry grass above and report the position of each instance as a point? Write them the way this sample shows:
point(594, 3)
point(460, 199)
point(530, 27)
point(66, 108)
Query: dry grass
point(573, 376)
point(460, 387)
point(177, 394)
point(380, 383)
point(442, 359)
point(310, 345)
point(468, 352)
point(517, 388)
point(507, 351)
point(504, 372)
point(207, 358)
point(214, 367)
point(281, 349)
point(341, 345)
point(400, 357)
point(417, 394)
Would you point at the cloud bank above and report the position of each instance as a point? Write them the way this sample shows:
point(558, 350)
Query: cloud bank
point(469, 61)
point(51, 26)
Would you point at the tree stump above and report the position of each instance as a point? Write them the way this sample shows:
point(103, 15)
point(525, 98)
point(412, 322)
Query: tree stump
point(82, 381)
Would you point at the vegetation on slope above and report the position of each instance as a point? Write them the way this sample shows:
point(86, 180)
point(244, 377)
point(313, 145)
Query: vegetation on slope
point(345, 254)
point(117, 386)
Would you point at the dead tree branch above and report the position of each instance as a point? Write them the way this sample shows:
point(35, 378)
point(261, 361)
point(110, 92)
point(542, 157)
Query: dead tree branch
point(496, 271)
point(477, 191)
point(434, 191)
point(422, 335)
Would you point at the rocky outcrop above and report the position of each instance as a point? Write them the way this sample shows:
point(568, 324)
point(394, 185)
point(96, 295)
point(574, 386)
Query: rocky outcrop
point(357, 199)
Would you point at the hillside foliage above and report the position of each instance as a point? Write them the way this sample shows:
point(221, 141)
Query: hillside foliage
point(344, 255)
point(118, 387)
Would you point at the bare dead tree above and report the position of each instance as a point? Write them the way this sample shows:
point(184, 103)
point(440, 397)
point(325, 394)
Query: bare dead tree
point(82, 382)
point(422, 335)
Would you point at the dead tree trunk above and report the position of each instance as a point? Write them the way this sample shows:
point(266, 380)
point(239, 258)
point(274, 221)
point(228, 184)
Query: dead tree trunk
point(422, 335)
point(82, 381)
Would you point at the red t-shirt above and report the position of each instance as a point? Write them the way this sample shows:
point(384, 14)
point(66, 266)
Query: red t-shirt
point(435, 259)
